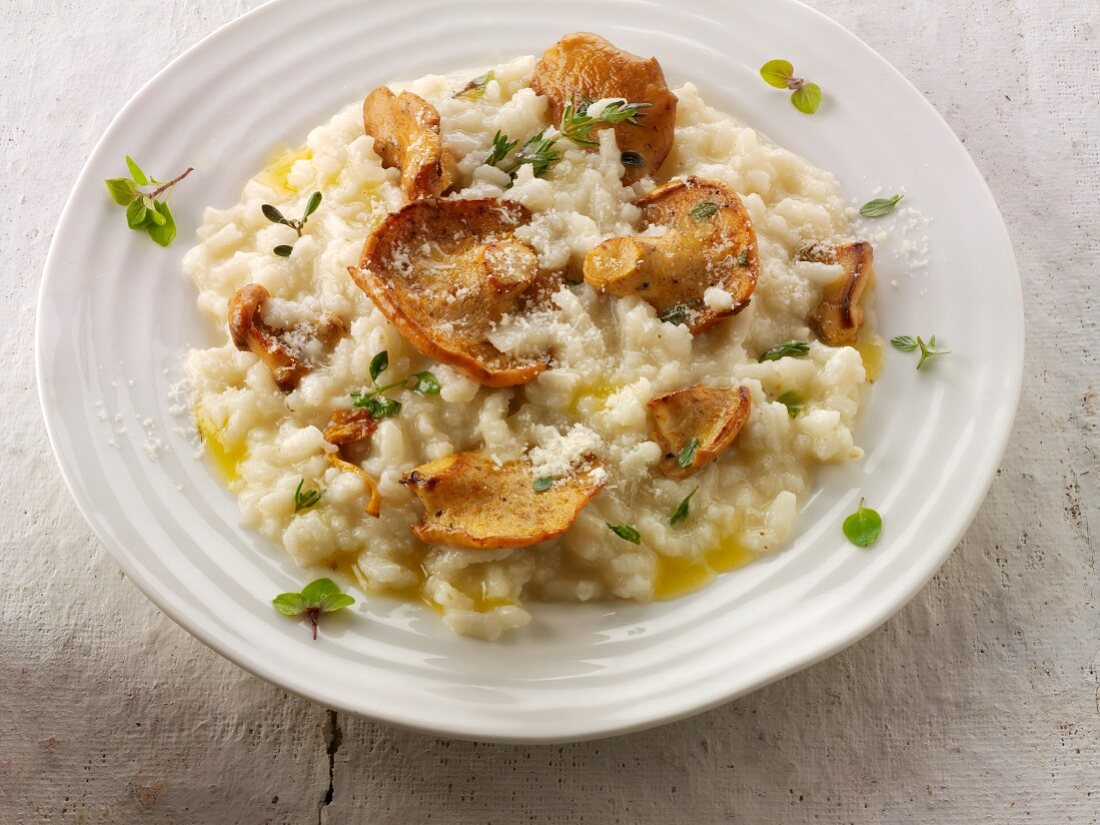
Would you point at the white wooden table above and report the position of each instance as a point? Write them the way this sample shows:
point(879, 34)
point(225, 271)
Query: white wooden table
point(979, 702)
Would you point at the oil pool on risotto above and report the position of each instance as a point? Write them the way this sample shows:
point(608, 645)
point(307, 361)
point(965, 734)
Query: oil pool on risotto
point(552, 331)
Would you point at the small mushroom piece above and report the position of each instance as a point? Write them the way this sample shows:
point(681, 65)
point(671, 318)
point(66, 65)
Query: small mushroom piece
point(583, 66)
point(709, 241)
point(283, 351)
point(838, 316)
point(471, 501)
point(405, 129)
point(444, 272)
point(706, 417)
point(352, 426)
point(374, 505)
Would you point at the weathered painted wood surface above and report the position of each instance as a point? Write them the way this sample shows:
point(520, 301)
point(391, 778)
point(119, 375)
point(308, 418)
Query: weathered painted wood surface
point(979, 702)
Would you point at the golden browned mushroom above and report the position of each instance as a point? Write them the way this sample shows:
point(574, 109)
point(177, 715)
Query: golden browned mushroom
point(708, 242)
point(352, 426)
point(584, 66)
point(838, 316)
point(695, 424)
point(374, 505)
point(445, 271)
point(470, 501)
point(405, 129)
point(281, 350)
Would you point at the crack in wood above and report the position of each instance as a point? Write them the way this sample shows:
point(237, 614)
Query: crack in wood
point(334, 738)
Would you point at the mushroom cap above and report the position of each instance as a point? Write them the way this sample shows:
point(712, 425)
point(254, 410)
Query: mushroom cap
point(586, 66)
point(838, 316)
point(405, 129)
point(713, 416)
point(471, 501)
point(709, 242)
point(445, 271)
point(352, 426)
point(279, 351)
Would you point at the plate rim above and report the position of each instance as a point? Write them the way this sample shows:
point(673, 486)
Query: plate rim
point(939, 550)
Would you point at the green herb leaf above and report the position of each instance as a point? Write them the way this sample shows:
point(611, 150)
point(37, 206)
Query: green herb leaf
point(631, 158)
point(676, 314)
point(283, 250)
point(304, 499)
point(164, 230)
point(681, 511)
point(316, 591)
point(379, 407)
point(928, 350)
point(542, 484)
point(863, 527)
point(273, 214)
point(879, 206)
point(687, 454)
point(424, 383)
point(317, 598)
point(501, 147)
point(337, 601)
point(627, 532)
point(905, 343)
point(807, 99)
point(777, 73)
point(793, 402)
point(476, 87)
point(743, 258)
point(538, 151)
point(289, 604)
point(143, 209)
point(135, 172)
point(379, 364)
point(311, 205)
point(703, 210)
point(788, 349)
point(122, 190)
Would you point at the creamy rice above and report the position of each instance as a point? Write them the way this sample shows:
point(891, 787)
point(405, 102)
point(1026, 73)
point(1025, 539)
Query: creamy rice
point(611, 356)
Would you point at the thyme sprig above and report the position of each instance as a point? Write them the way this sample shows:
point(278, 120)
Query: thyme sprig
point(381, 406)
point(297, 224)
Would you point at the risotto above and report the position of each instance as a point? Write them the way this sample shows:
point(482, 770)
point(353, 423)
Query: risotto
point(589, 408)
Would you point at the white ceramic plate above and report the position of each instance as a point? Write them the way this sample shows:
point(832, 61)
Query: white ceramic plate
point(115, 315)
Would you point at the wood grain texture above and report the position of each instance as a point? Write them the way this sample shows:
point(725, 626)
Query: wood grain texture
point(978, 702)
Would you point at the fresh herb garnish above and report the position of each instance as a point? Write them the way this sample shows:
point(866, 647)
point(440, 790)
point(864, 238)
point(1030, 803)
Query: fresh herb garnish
point(627, 532)
point(145, 212)
point(501, 147)
point(703, 210)
point(476, 87)
point(687, 454)
point(907, 343)
point(304, 499)
point(631, 158)
point(793, 402)
point(297, 224)
point(743, 258)
point(378, 405)
point(379, 364)
point(788, 349)
point(317, 597)
point(538, 151)
point(863, 527)
point(676, 314)
point(577, 124)
point(542, 484)
point(879, 206)
point(681, 511)
point(806, 97)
